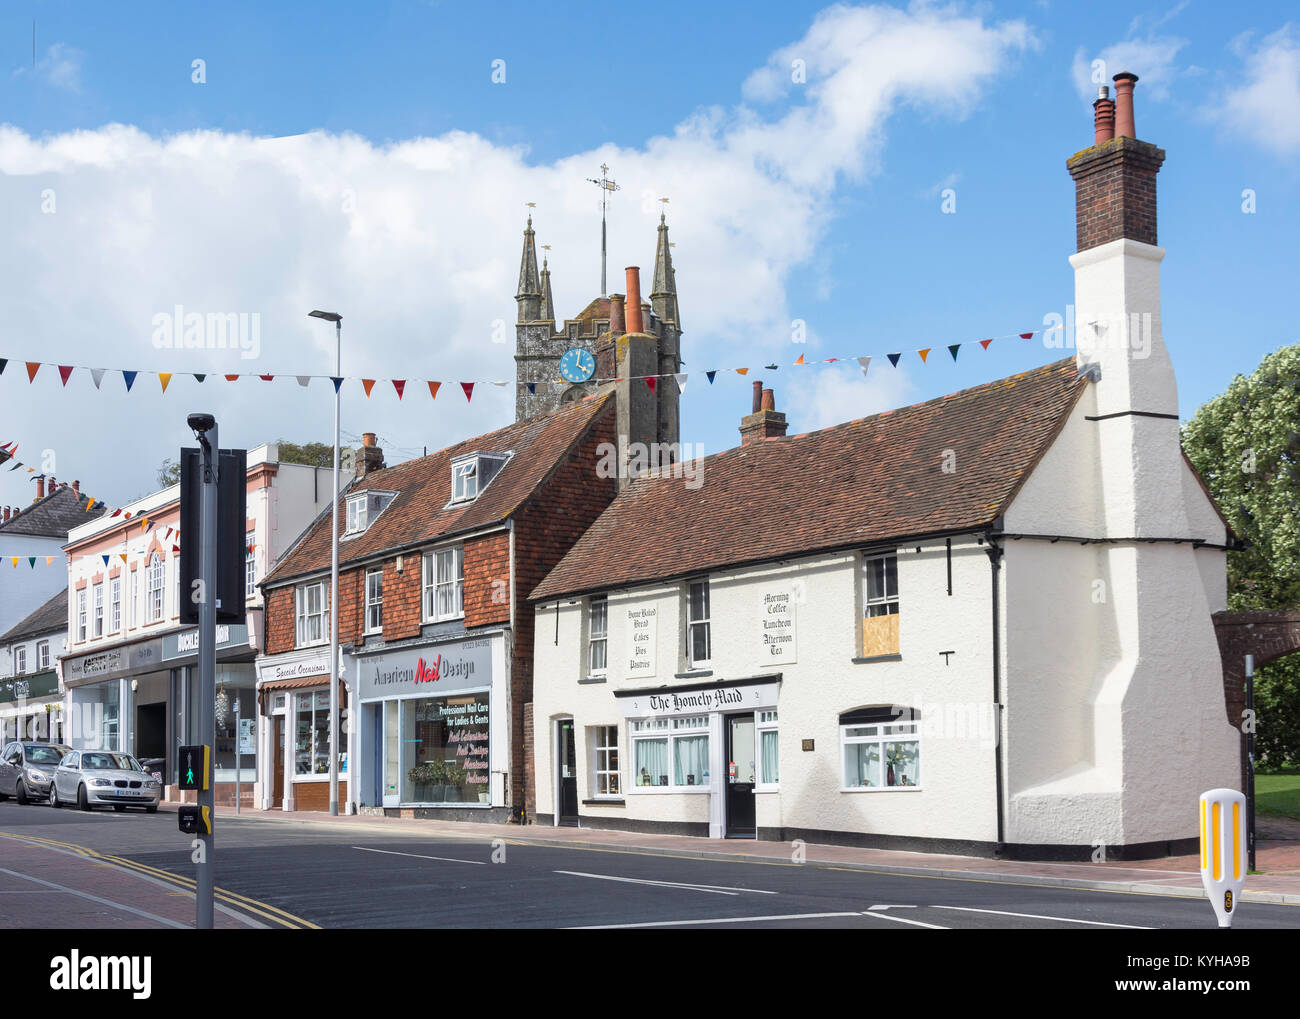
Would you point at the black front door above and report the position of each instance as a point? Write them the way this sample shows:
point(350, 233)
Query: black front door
point(741, 762)
point(568, 776)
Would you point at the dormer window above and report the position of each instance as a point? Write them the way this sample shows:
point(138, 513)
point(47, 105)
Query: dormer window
point(472, 473)
point(363, 508)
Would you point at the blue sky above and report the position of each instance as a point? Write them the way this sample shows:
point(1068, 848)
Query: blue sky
point(784, 203)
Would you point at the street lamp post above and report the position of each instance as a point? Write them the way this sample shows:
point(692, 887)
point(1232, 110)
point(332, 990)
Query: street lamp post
point(337, 319)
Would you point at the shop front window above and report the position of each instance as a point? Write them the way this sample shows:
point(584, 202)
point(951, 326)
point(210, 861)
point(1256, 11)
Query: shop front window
point(312, 736)
point(445, 749)
point(94, 723)
point(671, 752)
point(237, 683)
point(882, 748)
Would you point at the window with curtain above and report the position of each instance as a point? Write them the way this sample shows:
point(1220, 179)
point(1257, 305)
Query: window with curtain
point(691, 751)
point(443, 582)
point(768, 749)
point(310, 614)
point(671, 752)
point(598, 635)
point(650, 752)
point(882, 748)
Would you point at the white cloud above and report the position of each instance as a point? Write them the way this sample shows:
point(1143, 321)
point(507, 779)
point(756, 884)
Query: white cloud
point(1264, 102)
point(60, 66)
point(417, 244)
point(1152, 59)
point(825, 397)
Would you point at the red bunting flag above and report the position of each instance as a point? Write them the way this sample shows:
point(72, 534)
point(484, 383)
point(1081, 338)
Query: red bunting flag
point(400, 386)
point(367, 385)
point(650, 381)
point(1026, 336)
point(469, 390)
point(32, 368)
point(985, 343)
point(64, 371)
point(266, 378)
point(433, 390)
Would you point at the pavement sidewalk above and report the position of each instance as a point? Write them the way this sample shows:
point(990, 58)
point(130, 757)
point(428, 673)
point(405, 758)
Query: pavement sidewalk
point(1278, 858)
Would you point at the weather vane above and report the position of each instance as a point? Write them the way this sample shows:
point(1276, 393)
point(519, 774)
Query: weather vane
point(606, 187)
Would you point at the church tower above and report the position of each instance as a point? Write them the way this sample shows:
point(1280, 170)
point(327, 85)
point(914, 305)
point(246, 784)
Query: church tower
point(539, 344)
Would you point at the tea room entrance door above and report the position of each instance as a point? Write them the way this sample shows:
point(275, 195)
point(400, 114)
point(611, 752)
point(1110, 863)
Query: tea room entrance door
point(566, 810)
point(739, 778)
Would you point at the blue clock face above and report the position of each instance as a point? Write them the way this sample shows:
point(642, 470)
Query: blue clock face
point(577, 365)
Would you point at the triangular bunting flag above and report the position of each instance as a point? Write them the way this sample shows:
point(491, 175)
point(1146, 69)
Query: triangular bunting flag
point(893, 359)
point(200, 378)
point(801, 360)
point(105, 558)
point(650, 381)
point(31, 559)
point(433, 390)
point(15, 466)
point(337, 382)
point(304, 381)
point(924, 353)
point(232, 378)
point(122, 556)
point(129, 379)
point(1026, 336)
point(32, 368)
point(496, 383)
point(267, 378)
point(115, 513)
point(400, 386)
point(681, 382)
point(176, 548)
point(742, 371)
point(96, 376)
point(863, 362)
point(953, 348)
point(367, 385)
point(15, 560)
point(710, 376)
point(49, 559)
point(532, 387)
point(3, 361)
point(150, 527)
point(65, 370)
point(164, 379)
point(985, 343)
point(469, 390)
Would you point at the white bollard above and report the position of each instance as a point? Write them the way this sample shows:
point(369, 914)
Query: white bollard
point(1223, 850)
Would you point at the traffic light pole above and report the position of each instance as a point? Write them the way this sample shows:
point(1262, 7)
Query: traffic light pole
point(203, 892)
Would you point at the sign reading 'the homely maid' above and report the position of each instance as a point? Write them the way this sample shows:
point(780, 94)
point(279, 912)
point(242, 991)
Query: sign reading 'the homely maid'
point(642, 635)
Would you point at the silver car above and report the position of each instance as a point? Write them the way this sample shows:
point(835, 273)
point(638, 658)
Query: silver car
point(26, 768)
point(95, 778)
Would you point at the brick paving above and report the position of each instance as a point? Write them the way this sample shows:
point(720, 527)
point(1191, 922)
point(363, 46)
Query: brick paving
point(48, 887)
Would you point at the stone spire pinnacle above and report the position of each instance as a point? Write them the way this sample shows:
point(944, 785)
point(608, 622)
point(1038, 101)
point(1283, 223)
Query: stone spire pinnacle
point(663, 293)
point(548, 305)
point(529, 294)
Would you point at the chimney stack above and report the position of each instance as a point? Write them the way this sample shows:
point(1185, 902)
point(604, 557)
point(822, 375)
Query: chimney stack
point(1103, 116)
point(6, 519)
point(49, 488)
point(766, 422)
point(635, 324)
point(1124, 82)
point(40, 486)
point(1115, 178)
point(76, 487)
point(617, 323)
point(369, 457)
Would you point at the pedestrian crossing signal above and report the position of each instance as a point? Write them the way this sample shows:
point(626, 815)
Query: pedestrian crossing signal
point(192, 768)
point(194, 820)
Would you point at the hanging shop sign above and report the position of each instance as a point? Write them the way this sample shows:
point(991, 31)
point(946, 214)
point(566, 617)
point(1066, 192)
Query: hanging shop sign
point(429, 671)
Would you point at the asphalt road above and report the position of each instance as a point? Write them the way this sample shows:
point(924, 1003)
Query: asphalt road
point(338, 878)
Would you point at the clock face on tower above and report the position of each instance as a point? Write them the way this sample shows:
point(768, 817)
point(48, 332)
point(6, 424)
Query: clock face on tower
point(577, 365)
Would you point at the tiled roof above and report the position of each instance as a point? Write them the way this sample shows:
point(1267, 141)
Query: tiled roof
point(864, 481)
point(51, 616)
point(54, 516)
point(420, 512)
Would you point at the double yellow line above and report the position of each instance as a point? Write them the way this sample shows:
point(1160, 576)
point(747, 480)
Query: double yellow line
point(274, 914)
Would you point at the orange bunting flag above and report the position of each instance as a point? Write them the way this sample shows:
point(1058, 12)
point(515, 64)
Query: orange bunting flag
point(400, 386)
point(985, 343)
point(469, 390)
point(924, 353)
point(89, 503)
point(49, 559)
point(801, 360)
point(64, 371)
point(32, 368)
point(433, 390)
point(123, 555)
point(742, 371)
point(367, 385)
point(232, 378)
point(164, 378)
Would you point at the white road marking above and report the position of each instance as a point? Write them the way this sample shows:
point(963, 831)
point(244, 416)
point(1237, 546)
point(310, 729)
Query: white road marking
point(444, 859)
point(893, 907)
point(711, 889)
point(721, 919)
point(879, 914)
point(1059, 919)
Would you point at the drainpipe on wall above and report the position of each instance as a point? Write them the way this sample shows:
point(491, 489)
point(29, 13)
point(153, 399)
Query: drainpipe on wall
point(994, 552)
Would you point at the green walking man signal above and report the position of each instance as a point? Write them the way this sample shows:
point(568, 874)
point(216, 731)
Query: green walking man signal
point(193, 765)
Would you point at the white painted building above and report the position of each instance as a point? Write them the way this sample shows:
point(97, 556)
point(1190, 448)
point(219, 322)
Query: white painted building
point(31, 705)
point(131, 669)
point(980, 624)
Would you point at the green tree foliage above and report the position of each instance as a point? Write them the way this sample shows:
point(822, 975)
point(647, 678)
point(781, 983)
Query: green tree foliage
point(1246, 445)
point(169, 473)
point(313, 454)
